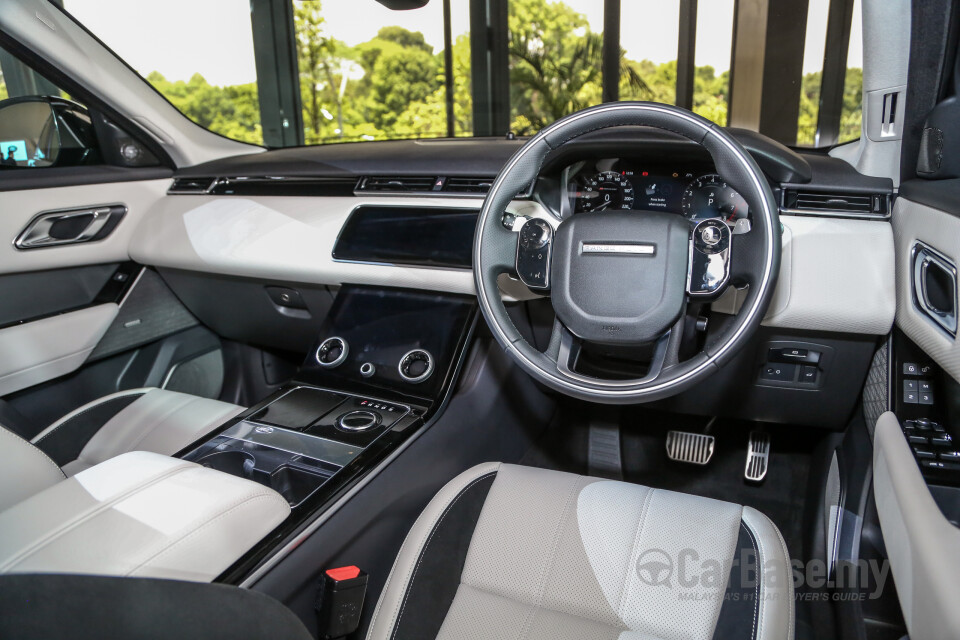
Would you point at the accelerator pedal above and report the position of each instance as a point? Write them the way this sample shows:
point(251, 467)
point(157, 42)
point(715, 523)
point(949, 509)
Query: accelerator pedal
point(694, 448)
point(758, 456)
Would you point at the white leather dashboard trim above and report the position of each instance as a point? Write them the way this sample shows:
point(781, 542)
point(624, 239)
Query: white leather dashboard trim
point(940, 230)
point(19, 207)
point(139, 514)
point(45, 349)
point(921, 543)
point(835, 275)
point(283, 238)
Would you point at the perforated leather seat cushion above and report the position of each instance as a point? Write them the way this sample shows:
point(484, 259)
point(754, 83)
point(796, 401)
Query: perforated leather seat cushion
point(515, 552)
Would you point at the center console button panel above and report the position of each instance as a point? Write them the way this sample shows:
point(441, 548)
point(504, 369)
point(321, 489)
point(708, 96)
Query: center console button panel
point(416, 366)
point(332, 352)
point(300, 440)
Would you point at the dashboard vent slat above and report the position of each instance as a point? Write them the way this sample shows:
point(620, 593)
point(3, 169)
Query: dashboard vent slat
point(468, 185)
point(836, 202)
point(192, 185)
point(398, 184)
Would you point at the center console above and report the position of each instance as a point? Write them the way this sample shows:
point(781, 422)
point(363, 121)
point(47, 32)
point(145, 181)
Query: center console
point(383, 363)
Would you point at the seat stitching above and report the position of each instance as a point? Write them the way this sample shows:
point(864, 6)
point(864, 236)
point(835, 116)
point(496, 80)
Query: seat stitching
point(647, 499)
point(169, 547)
point(34, 448)
point(761, 585)
point(554, 544)
point(86, 411)
point(756, 594)
point(786, 555)
point(391, 576)
point(413, 575)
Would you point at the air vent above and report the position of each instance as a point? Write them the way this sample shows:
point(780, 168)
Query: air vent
point(468, 185)
point(400, 184)
point(192, 185)
point(836, 203)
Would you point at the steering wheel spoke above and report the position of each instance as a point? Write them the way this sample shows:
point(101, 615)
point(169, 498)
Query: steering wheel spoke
point(564, 348)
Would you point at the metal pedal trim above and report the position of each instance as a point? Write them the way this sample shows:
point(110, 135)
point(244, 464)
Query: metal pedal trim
point(758, 456)
point(692, 448)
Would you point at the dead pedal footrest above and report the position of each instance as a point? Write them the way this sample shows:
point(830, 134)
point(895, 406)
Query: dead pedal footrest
point(758, 456)
point(693, 448)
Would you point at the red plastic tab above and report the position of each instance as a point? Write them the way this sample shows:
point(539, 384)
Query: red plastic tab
point(343, 573)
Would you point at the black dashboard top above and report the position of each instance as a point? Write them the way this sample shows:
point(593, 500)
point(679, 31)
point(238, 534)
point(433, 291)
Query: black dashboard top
point(478, 156)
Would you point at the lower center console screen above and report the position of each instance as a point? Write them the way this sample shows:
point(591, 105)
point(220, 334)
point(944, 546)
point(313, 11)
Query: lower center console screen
point(390, 339)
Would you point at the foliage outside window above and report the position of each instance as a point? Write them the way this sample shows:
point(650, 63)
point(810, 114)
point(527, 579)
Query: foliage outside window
point(366, 73)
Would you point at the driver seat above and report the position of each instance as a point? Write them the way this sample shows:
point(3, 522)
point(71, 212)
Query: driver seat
point(504, 551)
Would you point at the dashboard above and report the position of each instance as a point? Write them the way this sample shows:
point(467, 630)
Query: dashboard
point(691, 189)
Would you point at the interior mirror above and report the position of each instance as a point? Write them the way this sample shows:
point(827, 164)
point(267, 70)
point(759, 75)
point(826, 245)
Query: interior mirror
point(42, 131)
point(403, 5)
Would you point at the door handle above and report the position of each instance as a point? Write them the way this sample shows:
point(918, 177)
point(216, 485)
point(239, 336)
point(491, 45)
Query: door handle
point(73, 226)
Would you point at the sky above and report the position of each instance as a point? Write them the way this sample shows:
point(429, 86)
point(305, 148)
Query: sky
point(213, 36)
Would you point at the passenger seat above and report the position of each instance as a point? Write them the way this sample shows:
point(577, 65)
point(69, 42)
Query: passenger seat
point(147, 419)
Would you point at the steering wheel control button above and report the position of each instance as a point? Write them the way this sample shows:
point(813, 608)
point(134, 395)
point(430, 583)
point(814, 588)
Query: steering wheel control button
point(416, 366)
point(534, 234)
point(709, 258)
point(710, 236)
point(332, 352)
point(360, 420)
point(534, 250)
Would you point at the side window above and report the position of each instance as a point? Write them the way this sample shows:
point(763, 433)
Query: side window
point(42, 126)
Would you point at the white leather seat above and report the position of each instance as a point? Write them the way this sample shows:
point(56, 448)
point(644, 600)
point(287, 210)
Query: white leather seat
point(504, 551)
point(149, 419)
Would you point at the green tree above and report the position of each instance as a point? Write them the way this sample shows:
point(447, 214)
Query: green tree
point(232, 111)
point(556, 64)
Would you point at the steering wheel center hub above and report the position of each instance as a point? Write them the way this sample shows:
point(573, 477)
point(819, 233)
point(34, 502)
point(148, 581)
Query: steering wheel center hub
point(619, 277)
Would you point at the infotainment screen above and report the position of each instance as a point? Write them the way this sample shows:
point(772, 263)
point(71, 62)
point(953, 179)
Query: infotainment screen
point(423, 236)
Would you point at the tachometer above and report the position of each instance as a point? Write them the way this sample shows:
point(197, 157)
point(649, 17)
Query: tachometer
point(710, 197)
point(607, 190)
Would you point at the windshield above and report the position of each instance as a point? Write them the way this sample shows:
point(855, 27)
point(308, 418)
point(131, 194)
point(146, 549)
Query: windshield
point(325, 71)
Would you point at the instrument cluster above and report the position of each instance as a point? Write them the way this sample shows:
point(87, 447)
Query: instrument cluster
point(694, 191)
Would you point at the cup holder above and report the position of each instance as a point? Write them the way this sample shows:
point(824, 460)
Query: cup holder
point(294, 483)
point(236, 463)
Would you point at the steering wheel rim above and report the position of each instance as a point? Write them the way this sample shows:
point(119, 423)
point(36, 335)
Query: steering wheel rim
point(494, 253)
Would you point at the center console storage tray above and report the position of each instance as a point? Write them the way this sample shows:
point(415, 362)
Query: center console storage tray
point(294, 475)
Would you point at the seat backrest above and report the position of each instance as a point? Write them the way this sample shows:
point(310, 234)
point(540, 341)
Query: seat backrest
point(24, 469)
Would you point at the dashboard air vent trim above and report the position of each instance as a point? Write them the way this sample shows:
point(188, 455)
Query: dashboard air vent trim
point(832, 203)
point(192, 186)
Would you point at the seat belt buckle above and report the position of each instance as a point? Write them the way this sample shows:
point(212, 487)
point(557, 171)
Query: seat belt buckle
point(340, 601)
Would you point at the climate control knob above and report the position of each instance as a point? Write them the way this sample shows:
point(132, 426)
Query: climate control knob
point(332, 352)
point(416, 366)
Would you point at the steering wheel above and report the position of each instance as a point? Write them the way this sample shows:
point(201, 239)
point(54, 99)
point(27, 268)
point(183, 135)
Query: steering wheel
point(622, 280)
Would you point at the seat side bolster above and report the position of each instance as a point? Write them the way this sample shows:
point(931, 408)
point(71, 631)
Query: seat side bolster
point(776, 611)
point(24, 470)
point(387, 612)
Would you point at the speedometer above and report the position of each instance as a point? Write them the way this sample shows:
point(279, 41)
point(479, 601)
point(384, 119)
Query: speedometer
point(710, 197)
point(607, 190)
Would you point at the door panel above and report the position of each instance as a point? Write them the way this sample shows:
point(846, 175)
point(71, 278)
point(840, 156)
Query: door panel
point(919, 223)
point(18, 208)
point(38, 351)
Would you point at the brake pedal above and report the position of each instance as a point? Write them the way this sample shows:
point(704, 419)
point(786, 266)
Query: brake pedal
point(758, 456)
point(693, 448)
